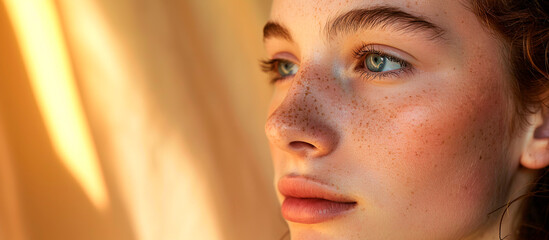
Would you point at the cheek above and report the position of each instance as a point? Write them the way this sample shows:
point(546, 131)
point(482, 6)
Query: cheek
point(441, 151)
point(455, 143)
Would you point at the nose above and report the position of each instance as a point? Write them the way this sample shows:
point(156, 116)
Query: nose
point(299, 125)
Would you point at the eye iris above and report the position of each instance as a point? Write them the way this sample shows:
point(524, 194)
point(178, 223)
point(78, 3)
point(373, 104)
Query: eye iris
point(375, 62)
point(286, 68)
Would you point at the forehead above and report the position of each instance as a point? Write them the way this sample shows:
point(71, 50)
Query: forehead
point(307, 18)
point(320, 9)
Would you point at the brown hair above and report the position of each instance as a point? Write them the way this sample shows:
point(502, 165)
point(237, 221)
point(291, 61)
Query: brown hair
point(523, 25)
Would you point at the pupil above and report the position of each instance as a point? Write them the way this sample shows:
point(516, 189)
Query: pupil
point(285, 68)
point(375, 62)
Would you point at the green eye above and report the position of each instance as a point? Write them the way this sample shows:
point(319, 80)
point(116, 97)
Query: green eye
point(286, 68)
point(380, 63)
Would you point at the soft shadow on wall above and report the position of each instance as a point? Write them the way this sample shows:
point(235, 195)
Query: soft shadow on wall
point(174, 104)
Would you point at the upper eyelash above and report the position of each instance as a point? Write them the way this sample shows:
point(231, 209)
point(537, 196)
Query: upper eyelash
point(366, 49)
point(269, 66)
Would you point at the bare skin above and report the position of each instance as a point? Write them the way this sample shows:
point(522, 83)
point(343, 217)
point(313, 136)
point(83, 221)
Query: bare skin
point(422, 145)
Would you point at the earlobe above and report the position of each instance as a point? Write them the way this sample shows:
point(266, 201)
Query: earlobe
point(536, 154)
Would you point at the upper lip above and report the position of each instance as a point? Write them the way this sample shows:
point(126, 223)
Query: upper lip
point(306, 187)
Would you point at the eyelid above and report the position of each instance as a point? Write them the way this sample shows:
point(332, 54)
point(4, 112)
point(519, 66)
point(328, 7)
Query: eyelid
point(390, 51)
point(286, 56)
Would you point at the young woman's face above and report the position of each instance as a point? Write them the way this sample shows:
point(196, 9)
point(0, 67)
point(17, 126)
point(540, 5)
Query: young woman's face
point(388, 122)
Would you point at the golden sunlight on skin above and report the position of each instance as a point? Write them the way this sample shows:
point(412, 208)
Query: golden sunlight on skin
point(426, 154)
point(38, 30)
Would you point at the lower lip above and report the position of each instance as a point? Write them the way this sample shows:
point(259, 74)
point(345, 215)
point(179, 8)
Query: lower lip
point(313, 210)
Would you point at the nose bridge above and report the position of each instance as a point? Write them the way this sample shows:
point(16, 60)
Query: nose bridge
point(301, 123)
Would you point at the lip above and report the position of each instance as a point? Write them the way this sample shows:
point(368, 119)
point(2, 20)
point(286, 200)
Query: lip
point(309, 201)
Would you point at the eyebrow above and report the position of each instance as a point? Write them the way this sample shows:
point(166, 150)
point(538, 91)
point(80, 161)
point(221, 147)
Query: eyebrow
point(377, 17)
point(381, 17)
point(274, 29)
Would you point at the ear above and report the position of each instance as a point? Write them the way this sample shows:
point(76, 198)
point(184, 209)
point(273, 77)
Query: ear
point(536, 154)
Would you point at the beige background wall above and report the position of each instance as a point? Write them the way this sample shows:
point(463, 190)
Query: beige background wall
point(175, 103)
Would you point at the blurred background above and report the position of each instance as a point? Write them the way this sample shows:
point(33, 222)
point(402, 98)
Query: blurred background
point(134, 119)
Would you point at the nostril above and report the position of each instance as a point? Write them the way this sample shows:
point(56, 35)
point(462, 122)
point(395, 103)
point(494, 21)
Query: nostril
point(300, 144)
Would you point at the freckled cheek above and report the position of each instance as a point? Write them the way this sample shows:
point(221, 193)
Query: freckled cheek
point(451, 148)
